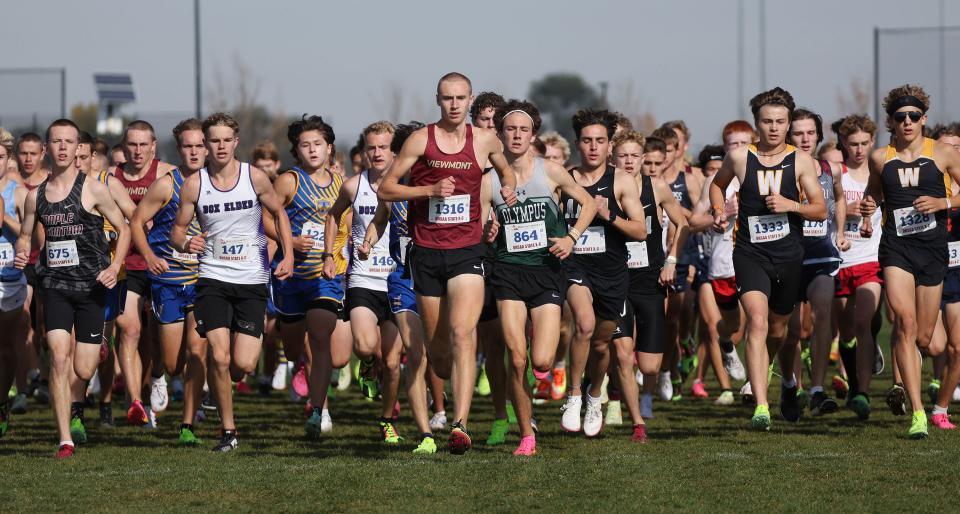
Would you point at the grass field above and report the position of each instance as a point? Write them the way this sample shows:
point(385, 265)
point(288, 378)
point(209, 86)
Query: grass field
point(699, 458)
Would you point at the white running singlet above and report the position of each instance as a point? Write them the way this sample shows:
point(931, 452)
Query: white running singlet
point(372, 272)
point(236, 250)
point(719, 247)
point(861, 250)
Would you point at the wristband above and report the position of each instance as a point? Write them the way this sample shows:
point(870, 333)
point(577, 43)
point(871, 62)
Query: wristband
point(186, 245)
point(574, 233)
point(574, 239)
point(613, 217)
point(949, 206)
point(325, 255)
point(717, 209)
point(798, 206)
point(670, 260)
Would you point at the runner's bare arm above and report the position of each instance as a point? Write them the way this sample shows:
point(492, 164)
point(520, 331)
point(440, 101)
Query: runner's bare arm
point(153, 200)
point(718, 187)
point(491, 226)
point(873, 194)
point(701, 219)
point(816, 208)
point(390, 187)
point(375, 229)
point(189, 194)
point(508, 178)
point(107, 206)
point(121, 197)
point(272, 203)
point(340, 205)
point(671, 206)
point(839, 208)
point(565, 182)
point(948, 160)
point(26, 230)
point(13, 222)
point(628, 195)
point(285, 187)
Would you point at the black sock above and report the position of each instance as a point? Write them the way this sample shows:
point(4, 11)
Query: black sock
point(849, 357)
point(426, 435)
point(186, 425)
point(76, 410)
point(726, 346)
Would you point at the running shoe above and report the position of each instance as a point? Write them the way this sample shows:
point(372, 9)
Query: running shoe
point(19, 404)
point(570, 421)
point(593, 418)
point(151, 418)
point(677, 390)
point(860, 404)
point(459, 441)
point(388, 433)
point(264, 387)
point(208, 402)
point(761, 418)
point(228, 442)
point(897, 400)
point(78, 432)
point(835, 349)
point(438, 421)
point(646, 406)
point(4, 421)
point(933, 390)
point(614, 414)
point(822, 404)
point(326, 422)
point(699, 391)
point(687, 366)
point(279, 380)
point(299, 382)
point(136, 415)
point(313, 427)
point(427, 446)
point(639, 433)
point(244, 388)
point(308, 408)
point(177, 386)
point(805, 358)
point(42, 396)
point(187, 437)
point(159, 399)
point(790, 408)
point(542, 391)
point(746, 395)
point(639, 378)
point(840, 386)
point(511, 414)
point(664, 386)
point(343, 378)
point(65, 451)
point(527, 448)
point(878, 362)
point(725, 398)
point(498, 433)
point(942, 421)
point(803, 399)
point(534, 426)
point(733, 365)
point(483, 383)
point(918, 426)
point(558, 386)
point(956, 394)
point(106, 416)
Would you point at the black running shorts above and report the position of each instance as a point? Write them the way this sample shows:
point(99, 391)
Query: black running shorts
point(532, 285)
point(83, 310)
point(609, 289)
point(376, 301)
point(431, 268)
point(927, 263)
point(238, 307)
point(779, 282)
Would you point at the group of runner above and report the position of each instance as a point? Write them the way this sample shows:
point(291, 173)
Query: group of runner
point(635, 266)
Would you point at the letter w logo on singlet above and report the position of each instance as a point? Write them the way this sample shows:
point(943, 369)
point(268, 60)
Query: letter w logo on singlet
point(769, 180)
point(909, 177)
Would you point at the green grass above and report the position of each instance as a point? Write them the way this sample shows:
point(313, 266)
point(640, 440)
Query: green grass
point(699, 458)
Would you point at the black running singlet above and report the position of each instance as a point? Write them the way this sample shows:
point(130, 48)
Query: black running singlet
point(76, 249)
point(760, 232)
point(602, 247)
point(904, 182)
point(647, 256)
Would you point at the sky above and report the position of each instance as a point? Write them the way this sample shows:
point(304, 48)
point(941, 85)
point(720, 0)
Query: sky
point(346, 60)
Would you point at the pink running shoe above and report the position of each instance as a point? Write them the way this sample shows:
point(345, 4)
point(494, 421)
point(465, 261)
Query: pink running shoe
point(942, 421)
point(639, 434)
point(528, 447)
point(699, 391)
point(299, 382)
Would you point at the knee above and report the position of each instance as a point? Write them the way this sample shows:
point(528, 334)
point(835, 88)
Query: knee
point(462, 335)
point(518, 362)
point(757, 324)
point(60, 361)
point(907, 326)
point(584, 328)
point(543, 364)
point(601, 346)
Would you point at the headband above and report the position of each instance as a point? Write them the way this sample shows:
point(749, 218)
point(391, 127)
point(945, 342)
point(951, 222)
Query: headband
point(905, 101)
point(525, 113)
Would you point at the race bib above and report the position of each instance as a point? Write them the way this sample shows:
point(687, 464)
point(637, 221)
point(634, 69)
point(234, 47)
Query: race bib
point(236, 249)
point(637, 257)
point(593, 240)
point(6, 255)
point(314, 231)
point(62, 253)
point(522, 237)
point(449, 210)
point(909, 221)
point(851, 228)
point(380, 263)
point(404, 243)
point(814, 228)
point(953, 248)
point(186, 258)
point(771, 227)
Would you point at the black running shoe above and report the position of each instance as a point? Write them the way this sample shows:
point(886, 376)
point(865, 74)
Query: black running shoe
point(228, 442)
point(821, 404)
point(789, 405)
point(208, 403)
point(897, 400)
point(106, 416)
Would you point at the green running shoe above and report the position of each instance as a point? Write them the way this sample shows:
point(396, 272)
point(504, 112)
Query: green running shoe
point(77, 431)
point(355, 366)
point(807, 360)
point(389, 433)
point(933, 390)
point(860, 404)
point(313, 426)
point(187, 437)
point(498, 434)
point(918, 427)
point(761, 418)
point(427, 446)
point(511, 414)
point(369, 388)
point(483, 383)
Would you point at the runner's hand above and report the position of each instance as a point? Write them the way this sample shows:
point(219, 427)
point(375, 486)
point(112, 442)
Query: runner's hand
point(778, 204)
point(363, 251)
point(108, 277)
point(667, 275)
point(509, 196)
point(156, 265)
point(303, 244)
point(21, 260)
point(603, 210)
point(444, 188)
point(866, 228)
point(197, 244)
point(842, 243)
point(867, 207)
point(329, 268)
point(720, 223)
point(490, 231)
point(731, 206)
point(285, 268)
point(562, 247)
point(929, 204)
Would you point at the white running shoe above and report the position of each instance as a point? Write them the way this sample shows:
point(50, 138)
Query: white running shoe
point(725, 398)
point(593, 419)
point(878, 363)
point(93, 389)
point(639, 378)
point(570, 421)
point(279, 381)
point(646, 406)
point(733, 365)
point(438, 421)
point(326, 424)
point(343, 382)
point(152, 419)
point(746, 392)
point(956, 394)
point(664, 386)
point(159, 399)
point(614, 413)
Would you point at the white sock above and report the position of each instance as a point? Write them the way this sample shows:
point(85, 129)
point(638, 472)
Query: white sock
point(325, 412)
point(68, 442)
point(591, 399)
point(787, 383)
point(560, 364)
point(816, 389)
point(939, 410)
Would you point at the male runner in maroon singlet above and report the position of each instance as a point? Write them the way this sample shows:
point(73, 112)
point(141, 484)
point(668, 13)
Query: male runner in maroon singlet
point(445, 161)
point(139, 171)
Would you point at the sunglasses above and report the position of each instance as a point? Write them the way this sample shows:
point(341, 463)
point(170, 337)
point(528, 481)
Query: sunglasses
point(901, 116)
